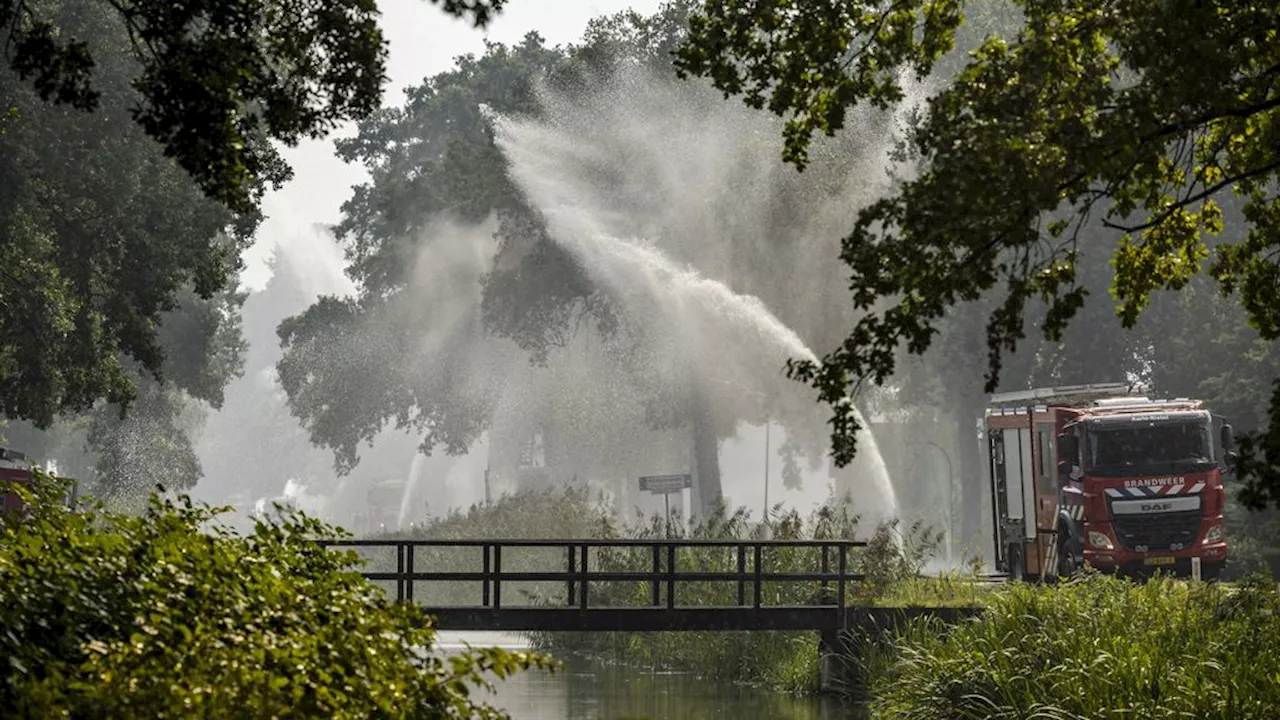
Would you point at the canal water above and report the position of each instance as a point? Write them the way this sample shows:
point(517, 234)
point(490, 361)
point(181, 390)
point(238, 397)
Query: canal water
point(588, 690)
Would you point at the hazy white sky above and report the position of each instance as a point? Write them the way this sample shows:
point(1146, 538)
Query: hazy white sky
point(423, 41)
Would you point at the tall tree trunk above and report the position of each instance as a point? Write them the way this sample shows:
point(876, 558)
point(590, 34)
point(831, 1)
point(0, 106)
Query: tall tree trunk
point(967, 400)
point(707, 493)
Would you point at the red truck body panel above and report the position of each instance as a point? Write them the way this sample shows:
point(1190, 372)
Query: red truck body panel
point(11, 475)
point(15, 470)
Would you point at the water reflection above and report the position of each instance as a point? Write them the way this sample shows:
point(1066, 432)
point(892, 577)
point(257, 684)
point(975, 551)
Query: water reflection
point(586, 690)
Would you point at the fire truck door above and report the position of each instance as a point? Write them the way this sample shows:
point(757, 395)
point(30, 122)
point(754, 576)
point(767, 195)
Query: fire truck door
point(1046, 477)
point(999, 495)
point(1020, 479)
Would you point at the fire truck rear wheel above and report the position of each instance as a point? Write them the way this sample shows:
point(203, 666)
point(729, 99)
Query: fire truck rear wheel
point(1017, 565)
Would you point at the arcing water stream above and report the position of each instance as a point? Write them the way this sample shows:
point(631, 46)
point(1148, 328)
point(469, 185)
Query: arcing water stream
point(727, 284)
point(729, 338)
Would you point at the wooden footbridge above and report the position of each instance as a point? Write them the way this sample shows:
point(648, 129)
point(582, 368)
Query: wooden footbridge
point(578, 585)
point(583, 567)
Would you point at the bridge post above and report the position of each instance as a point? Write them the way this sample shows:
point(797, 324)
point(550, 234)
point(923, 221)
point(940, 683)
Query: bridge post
point(582, 585)
point(497, 576)
point(756, 576)
point(742, 575)
point(826, 569)
point(399, 572)
point(484, 570)
point(408, 567)
point(671, 575)
point(655, 582)
point(572, 570)
point(841, 607)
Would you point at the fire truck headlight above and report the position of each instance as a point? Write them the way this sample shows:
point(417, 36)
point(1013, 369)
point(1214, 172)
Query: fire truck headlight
point(1214, 535)
point(1100, 540)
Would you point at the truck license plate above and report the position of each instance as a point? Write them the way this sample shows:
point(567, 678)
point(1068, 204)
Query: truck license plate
point(1159, 561)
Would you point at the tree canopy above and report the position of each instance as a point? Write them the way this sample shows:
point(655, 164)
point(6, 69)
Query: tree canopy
point(217, 81)
point(1142, 118)
point(136, 142)
point(351, 365)
point(104, 241)
point(135, 146)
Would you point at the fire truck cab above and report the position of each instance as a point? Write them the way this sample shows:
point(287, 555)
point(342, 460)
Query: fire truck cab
point(1090, 474)
point(15, 470)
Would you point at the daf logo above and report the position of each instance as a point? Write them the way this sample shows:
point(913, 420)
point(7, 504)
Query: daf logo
point(1157, 507)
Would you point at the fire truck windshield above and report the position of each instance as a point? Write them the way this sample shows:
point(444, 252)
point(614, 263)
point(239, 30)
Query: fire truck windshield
point(1144, 445)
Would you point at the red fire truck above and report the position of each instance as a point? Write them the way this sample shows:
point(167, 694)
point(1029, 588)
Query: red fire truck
point(1090, 474)
point(15, 469)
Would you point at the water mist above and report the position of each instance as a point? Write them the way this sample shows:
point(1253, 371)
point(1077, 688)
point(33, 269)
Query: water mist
point(651, 156)
point(723, 262)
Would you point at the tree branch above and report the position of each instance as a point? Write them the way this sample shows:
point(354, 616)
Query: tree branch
point(871, 37)
point(133, 30)
point(1208, 191)
point(1195, 122)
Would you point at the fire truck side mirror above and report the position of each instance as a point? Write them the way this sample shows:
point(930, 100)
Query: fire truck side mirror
point(1069, 448)
point(1228, 438)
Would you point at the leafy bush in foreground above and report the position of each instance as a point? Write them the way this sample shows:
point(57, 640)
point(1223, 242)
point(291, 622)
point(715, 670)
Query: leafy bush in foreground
point(1096, 647)
point(166, 615)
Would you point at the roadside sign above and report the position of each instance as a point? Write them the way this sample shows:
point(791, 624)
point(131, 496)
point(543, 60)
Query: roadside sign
point(665, 484)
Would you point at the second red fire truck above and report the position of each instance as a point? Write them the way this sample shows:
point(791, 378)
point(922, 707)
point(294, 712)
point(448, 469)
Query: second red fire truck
point(15, 470)
point(1090, 474)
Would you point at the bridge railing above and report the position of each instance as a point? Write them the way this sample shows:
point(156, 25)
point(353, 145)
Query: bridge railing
point(749, 568)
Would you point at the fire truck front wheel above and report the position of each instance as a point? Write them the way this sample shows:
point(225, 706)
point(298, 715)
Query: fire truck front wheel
point(1067, 564)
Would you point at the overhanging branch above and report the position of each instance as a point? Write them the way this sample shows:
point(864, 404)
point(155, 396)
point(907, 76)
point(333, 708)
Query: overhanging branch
point(1188, 200)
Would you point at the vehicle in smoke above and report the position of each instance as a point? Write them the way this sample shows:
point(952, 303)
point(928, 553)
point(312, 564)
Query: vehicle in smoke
point(269, 506)
point(1088, 474)
point(381, 512)
point(15, 470)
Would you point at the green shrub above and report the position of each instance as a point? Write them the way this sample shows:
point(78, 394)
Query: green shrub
point(1253, 540)
point(166, 614)
point(565, 512)
point(1095, 647)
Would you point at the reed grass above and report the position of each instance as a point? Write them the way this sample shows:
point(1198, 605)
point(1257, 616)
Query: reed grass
point(1093, 647)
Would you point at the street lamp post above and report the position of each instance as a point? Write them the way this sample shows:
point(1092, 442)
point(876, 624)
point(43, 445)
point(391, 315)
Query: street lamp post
point(767, 424)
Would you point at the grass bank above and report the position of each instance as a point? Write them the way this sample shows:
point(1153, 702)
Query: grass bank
point(1094, 647)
